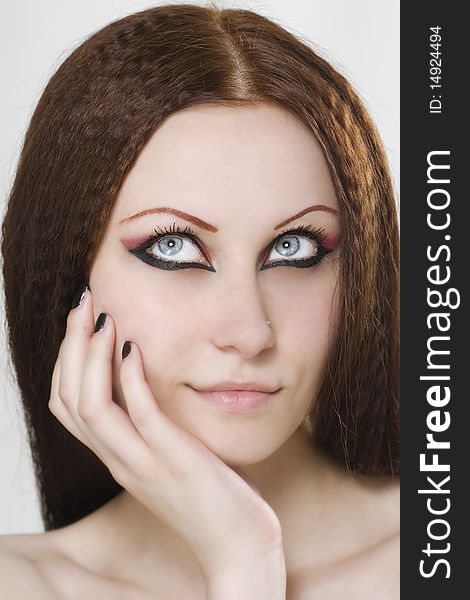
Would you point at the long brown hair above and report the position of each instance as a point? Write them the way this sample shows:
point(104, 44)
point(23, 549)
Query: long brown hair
point(93, 119)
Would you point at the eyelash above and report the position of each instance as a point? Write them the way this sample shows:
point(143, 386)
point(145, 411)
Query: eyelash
point(318, 235)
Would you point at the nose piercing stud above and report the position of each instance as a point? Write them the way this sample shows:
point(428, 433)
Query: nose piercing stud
point(268, 323)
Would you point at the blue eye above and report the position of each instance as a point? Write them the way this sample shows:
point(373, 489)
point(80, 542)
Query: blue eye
point(182, 244)
point(174, 245)
point(298, 247)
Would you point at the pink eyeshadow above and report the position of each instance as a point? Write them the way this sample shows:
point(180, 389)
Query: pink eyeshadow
point(132, 243)
point(332, 241)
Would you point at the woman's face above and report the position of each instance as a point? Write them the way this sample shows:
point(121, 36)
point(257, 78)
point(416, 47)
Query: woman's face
point(236, 177)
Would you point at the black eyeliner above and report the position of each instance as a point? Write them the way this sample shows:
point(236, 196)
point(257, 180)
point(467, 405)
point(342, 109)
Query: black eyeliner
point(317, 235)
point(300, 263)
point(169, 265)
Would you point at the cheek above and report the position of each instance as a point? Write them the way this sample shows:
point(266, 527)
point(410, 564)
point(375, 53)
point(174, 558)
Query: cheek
point(307, 310)
point(155, 325)
point(148, 306)
point(154, 316)
point(306, 304)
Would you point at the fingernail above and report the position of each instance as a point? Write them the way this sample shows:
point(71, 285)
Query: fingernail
point(100, 321)
point(126, 348)
point(79, 295)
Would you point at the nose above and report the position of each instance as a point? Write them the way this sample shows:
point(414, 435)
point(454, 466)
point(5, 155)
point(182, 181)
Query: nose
point(239, 319)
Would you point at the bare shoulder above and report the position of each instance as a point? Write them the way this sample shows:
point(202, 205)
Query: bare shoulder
point(22, 576)
point(38, 566)
point(372, 573)
point(363, 562)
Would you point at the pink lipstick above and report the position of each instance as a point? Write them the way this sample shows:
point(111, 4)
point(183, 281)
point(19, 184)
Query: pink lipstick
point(242, 398)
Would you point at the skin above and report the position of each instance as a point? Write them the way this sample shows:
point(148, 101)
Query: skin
point(244, 171)
point(199, 327)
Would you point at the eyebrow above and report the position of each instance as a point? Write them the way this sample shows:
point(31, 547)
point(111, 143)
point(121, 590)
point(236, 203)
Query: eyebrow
point(209, 227)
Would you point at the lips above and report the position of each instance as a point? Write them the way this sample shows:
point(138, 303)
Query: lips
point(239, 401)
point(234, 386)
point(237, 396)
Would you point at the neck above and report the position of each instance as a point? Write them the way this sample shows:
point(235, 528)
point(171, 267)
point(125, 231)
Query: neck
point(294, 477)
point(294, 471)
point(312, 497)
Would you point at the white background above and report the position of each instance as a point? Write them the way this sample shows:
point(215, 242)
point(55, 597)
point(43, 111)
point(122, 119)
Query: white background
point(360, 39)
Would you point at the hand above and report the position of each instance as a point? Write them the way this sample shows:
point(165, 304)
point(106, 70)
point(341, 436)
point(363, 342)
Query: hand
point(212, 508)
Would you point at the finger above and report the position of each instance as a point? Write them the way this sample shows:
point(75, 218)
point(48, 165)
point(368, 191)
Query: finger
point(107, 421)
point(74, 351)
point(177, 447)
point(154, 426)
point(57, 407)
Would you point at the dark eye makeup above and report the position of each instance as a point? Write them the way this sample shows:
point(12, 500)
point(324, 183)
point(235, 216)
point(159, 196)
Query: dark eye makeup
point(291, 236)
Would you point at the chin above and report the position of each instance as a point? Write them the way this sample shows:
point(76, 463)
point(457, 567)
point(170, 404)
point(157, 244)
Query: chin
point(244, 459)
point(241, 450)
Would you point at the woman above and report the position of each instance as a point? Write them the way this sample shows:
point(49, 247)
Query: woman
point(216, 415)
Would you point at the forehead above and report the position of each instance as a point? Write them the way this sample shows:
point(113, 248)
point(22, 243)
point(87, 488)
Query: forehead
point(221, 159)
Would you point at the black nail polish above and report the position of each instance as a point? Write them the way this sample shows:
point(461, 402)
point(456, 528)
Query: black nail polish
point(100, 321)
point(79, 295)
point(126, 348)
